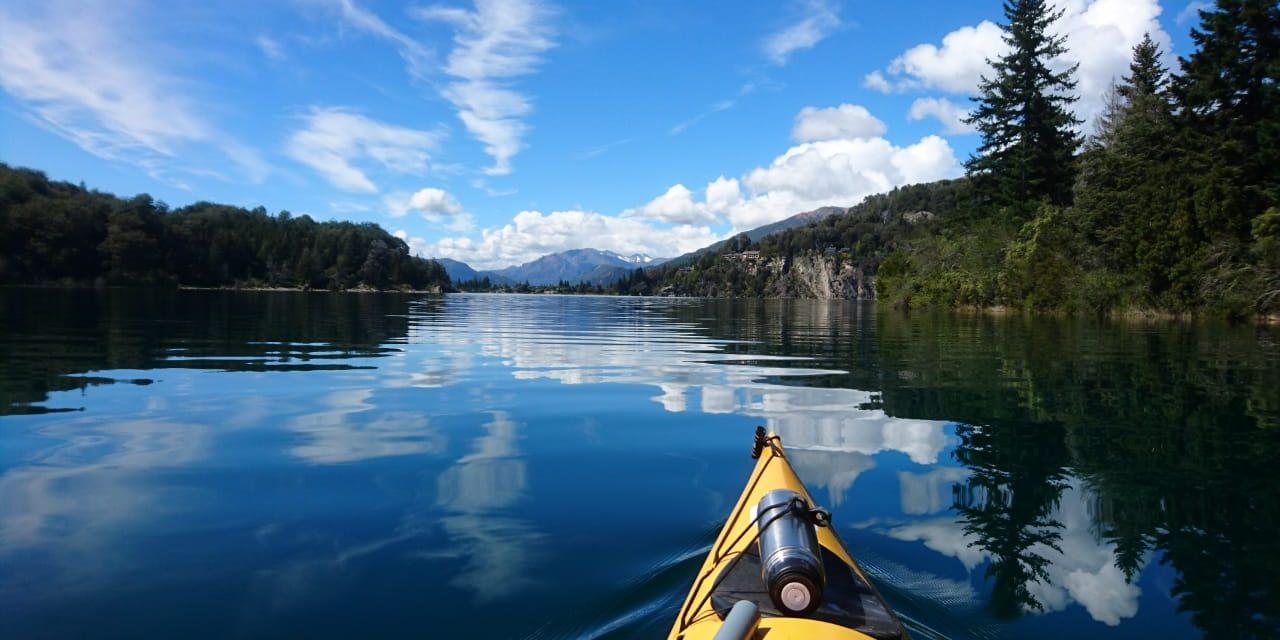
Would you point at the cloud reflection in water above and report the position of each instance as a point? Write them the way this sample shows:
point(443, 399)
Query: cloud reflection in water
point(498, 550)
point(644, 346)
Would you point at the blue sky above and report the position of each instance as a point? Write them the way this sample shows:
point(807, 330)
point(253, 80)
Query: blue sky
point(495, 131)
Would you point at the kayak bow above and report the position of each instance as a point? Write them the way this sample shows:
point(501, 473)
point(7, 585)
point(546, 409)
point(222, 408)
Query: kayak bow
point(850, 609)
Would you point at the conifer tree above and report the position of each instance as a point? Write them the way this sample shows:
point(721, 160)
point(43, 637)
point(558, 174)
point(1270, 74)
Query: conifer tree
point(1147, 76)
point(1028, 133)
point(1147, 110)
point(1131, 183)
point(1229, 98)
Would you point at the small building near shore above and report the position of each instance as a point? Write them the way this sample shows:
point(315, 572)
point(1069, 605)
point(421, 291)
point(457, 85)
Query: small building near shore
point(745, 256)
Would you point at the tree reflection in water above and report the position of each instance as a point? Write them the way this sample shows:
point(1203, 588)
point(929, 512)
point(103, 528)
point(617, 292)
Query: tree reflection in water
point(1007, 505)
point(51, 338)
point(1170, 429)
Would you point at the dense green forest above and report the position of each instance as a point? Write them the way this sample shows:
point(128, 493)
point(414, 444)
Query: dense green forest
point(1169, 205)
point(59, 233)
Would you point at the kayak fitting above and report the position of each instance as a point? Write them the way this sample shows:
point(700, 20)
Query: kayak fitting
point(779, 571)
point(790, 558)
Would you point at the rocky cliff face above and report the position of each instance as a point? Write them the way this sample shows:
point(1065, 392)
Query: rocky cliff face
point(819, 277)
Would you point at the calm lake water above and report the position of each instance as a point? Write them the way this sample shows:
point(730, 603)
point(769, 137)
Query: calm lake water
point(213, 464)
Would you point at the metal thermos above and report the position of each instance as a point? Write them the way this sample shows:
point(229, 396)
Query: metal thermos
point(790, 558)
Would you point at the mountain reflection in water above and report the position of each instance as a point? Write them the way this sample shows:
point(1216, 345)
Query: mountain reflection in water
point(321, 464)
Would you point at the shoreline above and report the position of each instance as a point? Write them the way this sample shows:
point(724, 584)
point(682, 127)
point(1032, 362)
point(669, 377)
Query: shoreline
point(104, 287)
point(1131, 314)
point(360, 289)
point(1127, 314)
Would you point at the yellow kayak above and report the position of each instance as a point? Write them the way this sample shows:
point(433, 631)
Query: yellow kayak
point(792, 593)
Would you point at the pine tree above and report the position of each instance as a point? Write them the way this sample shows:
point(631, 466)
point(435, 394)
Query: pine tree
point(1229, 98)
point(1028, 133)
point(1147, 75)
point(1132, 187)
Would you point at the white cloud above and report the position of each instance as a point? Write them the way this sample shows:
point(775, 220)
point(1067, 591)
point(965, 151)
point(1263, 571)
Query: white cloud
point(956, 66)
point(532, 234)
point(723, 193)
point(876, 80)
point(946, 112)
point(817, 20)
point(81, 71)
point(270, 47)
point(417, 58)
point(333, 140)
point(837, 172)
point(925, 161)
point(434, 205)
point(845, 121)
point(826, 169)
point(435, 202)
point(846, 161)
point(1100, 36)
point(676, 205)
point(498, 41)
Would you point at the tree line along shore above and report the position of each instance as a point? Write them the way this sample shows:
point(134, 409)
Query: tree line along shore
point(57, 233)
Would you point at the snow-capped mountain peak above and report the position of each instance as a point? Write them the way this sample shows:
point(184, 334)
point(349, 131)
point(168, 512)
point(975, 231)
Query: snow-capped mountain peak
point(635, 258)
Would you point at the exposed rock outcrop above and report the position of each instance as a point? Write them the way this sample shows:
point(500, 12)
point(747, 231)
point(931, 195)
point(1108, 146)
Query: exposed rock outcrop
point(819, 277)
point(810, 276)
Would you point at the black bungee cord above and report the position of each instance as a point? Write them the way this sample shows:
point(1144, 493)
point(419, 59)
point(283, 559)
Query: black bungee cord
point(815, 515)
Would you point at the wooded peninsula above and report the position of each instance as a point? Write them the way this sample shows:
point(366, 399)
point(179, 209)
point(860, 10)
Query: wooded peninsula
point(57, 233)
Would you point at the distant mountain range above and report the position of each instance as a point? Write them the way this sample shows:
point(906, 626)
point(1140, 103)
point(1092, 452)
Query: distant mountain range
point(462, 272)
point(596, 266)
point(592, 266)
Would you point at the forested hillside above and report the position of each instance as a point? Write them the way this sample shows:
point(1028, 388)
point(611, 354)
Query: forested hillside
point(59, 233)
point(1169, 205)
point(845, 251)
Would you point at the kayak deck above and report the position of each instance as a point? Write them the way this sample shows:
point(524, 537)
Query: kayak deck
point(851, 608)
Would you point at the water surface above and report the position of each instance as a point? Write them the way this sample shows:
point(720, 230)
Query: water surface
point(213, 464)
